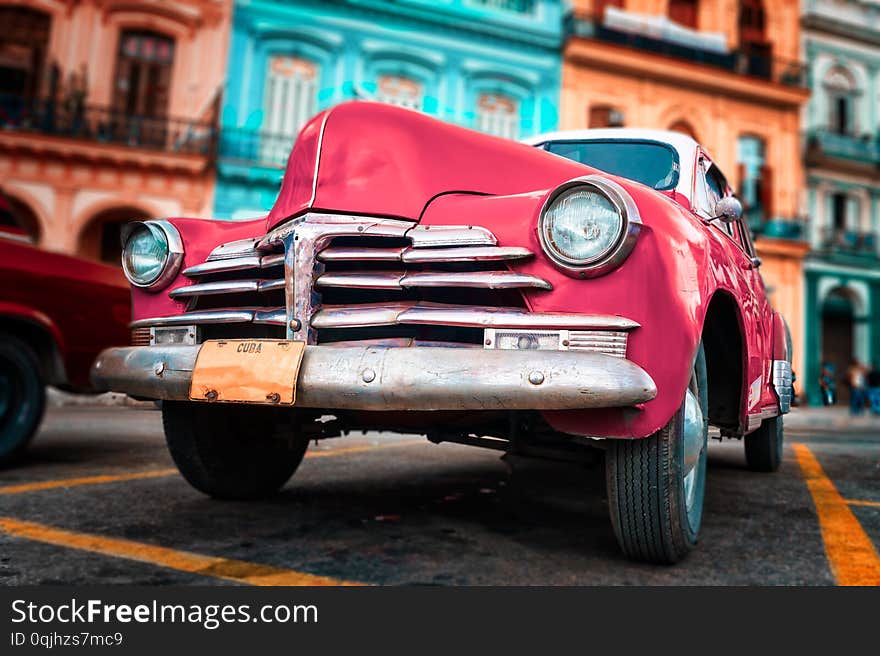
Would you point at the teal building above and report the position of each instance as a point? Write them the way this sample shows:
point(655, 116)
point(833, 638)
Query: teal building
point(842, 272)
point(491, 65)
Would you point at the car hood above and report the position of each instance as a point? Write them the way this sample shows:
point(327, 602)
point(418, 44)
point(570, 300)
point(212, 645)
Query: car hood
point(376, 159)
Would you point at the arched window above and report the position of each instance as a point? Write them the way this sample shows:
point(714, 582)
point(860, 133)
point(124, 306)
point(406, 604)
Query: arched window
point(841, 91)
point(18, 214)
point(290, 99)
point(24, 41)
point(100, 238)
point(498, 114)
point(684, 12)
point(401, 91)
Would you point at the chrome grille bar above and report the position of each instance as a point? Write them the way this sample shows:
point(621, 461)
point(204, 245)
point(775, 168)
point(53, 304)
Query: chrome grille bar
point(392, 280)
point(234, 264)
point(414, 313)
point(424, 255)
point(206, 316)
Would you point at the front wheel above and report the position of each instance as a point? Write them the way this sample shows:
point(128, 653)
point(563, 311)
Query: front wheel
point(232, 451)
point(22, 396)
point(656, 484)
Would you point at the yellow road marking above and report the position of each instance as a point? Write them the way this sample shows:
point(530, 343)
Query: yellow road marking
point(158, 473)
point(859, 502)
point(229, 569)
point(850, 552)
point(86, 480)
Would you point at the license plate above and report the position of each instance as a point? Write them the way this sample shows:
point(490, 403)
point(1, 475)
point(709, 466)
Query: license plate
point(247, 371)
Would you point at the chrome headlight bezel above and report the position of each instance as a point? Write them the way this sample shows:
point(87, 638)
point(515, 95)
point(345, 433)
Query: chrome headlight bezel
point(173, 256)
point(615, 255)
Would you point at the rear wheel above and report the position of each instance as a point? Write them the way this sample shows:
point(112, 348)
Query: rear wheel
point(22, 396)
point(656, 485)
point(764, 446)
point(232, 451)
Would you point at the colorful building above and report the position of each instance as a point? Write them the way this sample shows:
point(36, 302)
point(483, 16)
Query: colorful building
point(727, 72)
point(493, 65)
point(842, 44)
point(107, 114)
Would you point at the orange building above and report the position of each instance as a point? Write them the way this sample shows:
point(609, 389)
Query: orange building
point(108, 114)
point(725, 72)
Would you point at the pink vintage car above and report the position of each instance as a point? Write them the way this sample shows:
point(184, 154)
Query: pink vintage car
point(419, 277)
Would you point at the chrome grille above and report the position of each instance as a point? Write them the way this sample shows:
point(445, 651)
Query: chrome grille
point(331, 278)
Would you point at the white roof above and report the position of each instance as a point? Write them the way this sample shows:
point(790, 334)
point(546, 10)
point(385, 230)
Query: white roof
point(685, 146)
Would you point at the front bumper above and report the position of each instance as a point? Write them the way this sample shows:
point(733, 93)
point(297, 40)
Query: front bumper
point(416, 378)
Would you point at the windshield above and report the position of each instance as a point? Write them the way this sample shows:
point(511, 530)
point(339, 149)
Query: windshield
point(650, 162)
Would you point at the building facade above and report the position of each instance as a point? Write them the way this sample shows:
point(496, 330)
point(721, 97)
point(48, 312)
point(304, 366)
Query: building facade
point(728, 73)
point(493, 65)
point(842, 143)
point(107, 114)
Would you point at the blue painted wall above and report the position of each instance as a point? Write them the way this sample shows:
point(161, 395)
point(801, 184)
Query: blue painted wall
point(455, 49)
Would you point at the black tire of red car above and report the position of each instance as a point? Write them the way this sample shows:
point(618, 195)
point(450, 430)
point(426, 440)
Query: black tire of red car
point(764, 446)
point(22, 396)
point(656, 509)
point(232, 451)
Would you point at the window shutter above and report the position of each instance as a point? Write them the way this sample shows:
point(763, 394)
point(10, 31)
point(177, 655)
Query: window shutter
point(766, 191)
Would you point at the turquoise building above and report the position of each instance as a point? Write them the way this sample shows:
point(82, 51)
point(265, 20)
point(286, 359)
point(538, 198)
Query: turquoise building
point(842, 272)
point(491, 65)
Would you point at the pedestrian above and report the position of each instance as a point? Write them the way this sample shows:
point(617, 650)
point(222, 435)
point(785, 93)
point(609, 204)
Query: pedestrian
point(873, 380)
point(828, 384)
point(855, 378)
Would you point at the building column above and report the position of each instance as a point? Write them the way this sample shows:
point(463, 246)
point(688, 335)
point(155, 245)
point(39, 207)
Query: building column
point(809, 383)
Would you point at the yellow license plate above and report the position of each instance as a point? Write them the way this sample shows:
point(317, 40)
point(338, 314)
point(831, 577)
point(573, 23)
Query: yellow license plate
point(247, 371)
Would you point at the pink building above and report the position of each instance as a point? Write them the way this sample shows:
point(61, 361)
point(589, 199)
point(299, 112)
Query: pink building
point(108, 114)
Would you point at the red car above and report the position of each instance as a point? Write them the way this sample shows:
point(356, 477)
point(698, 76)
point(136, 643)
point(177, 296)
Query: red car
point(56, 314)
point(416, 276)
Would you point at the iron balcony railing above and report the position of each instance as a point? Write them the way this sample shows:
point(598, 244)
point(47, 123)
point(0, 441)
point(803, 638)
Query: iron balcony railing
point(744, 61)
point(852, 242)
point(863, 148)
point(254, 146)
point(105, 125)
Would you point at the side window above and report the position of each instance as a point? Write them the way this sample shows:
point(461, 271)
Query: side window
point(714, 188)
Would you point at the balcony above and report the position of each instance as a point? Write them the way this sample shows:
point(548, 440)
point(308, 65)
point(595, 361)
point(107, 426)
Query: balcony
point(255, 147)
point(859, 149)
point(105, 126)
point(740, 62)
point(849, 242)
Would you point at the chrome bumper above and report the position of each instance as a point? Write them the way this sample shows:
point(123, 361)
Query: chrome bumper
point(416, 378)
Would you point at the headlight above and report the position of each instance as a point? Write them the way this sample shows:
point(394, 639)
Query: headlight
point(589, 225)
point(151, 253)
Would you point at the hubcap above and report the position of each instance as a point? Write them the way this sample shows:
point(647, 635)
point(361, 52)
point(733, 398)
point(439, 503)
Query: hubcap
point(694, 444)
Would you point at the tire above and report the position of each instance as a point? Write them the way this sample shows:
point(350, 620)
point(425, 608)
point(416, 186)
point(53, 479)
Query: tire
point(764, 446)
point(656, 508)
point(22, 397)
point(232, 451)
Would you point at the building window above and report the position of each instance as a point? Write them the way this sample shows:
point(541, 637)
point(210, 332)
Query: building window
point(290, 99)
point(498, 114)
point(23, 45)
point(840, 89)
point(752, 23)
point(755, 177)
point(400, 91)
point(605, 116)
point(143, 74)
point(516, 6)
point(684, 12)
point(838, 212)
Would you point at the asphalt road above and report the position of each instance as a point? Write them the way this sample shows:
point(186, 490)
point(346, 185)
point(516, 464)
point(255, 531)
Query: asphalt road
point(97, 501)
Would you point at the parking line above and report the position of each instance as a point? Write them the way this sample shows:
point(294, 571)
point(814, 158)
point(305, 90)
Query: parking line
point(86, 480)
point(158, 473)
point(859, 502)
point(850, 552)
point(229, 569)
